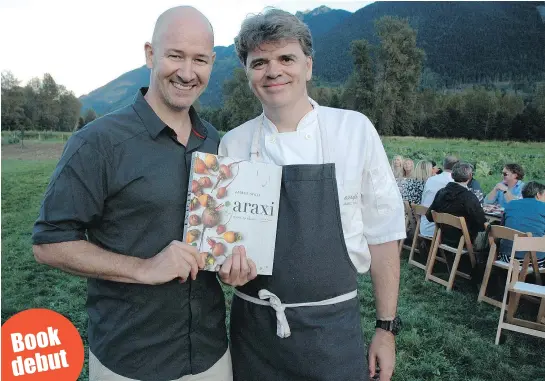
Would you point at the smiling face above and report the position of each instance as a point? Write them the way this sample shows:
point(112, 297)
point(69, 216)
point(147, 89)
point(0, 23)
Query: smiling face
point(180, 59)
point(398, 162)
point(278, 73)
point(408, 166)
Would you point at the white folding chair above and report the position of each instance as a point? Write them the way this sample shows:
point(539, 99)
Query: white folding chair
point(500, 232)
point(516, 287)
point(465, 247)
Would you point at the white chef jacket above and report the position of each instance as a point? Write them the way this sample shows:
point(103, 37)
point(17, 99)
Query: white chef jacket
point(371, 207)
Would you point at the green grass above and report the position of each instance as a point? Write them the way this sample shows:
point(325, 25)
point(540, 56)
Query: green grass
point(446, 336)
point(14, 137)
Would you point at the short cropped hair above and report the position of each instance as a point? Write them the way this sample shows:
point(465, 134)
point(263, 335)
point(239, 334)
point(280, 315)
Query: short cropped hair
point(461, 172)
point(532, 189)
point(449, 162)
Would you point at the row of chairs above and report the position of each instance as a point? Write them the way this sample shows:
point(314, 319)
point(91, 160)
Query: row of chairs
point(516, 285)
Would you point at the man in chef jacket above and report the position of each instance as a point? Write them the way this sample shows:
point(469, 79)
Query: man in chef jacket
point(340, 214)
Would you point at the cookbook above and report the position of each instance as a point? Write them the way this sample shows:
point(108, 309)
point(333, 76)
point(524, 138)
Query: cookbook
point(232, 205)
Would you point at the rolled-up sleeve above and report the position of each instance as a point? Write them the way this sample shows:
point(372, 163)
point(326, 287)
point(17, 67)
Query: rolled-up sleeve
point(383, 211)
point(74, 198)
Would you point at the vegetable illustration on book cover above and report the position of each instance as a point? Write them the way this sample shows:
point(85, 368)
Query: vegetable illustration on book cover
point(232, 203)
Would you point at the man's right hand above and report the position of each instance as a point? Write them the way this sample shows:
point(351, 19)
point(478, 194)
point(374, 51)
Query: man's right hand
point(177, 260)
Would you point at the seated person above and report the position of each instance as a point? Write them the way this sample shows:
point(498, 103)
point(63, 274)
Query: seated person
point(475, 187)
point(412, 188)
point(397, 167)
point(528, 216)
point(510, 188)
point(435, 170)
point(458, 200)
point(408, 169)
point(432, 186)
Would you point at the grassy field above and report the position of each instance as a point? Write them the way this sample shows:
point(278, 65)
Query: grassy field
point(14, 137)
point(487, 157)
point(446, 336)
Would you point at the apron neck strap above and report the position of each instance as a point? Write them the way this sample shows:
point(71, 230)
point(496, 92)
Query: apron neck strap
point(327, 151)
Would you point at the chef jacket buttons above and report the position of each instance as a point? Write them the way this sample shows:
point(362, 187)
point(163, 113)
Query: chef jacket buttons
point(308, 136)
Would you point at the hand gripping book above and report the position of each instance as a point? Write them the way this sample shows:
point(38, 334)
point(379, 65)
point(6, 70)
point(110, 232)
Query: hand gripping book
point(231, 204)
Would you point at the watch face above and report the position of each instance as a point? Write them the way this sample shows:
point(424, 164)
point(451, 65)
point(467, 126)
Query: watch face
point(396, 325)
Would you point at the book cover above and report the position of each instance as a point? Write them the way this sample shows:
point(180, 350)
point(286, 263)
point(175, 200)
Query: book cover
point(232, 203)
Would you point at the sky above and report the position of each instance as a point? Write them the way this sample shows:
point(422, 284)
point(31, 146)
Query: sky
point(86, 44)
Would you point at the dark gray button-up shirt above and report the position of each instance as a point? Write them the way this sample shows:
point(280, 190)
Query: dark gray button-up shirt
point(121, 184)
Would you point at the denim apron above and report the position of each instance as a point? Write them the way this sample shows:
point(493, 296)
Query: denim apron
point(302, 323)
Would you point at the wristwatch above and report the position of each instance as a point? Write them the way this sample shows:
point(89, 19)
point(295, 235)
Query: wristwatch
point(393, 326)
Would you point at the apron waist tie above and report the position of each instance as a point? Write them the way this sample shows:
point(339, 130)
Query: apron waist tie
point(267, 298)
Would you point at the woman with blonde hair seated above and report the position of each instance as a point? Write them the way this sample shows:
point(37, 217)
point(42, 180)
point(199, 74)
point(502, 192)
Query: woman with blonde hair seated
point(413, 187)
point(408, 169)
point(397, 166)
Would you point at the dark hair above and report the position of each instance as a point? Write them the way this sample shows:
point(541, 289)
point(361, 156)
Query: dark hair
point(449, 162)
point(461, 172)
point(532, 189)
point(433, 163)
point(271, 26)
point(516, 169)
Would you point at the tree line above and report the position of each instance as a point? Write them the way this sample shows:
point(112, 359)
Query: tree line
point(389, 83)
point(391, 86)
point(40, 105)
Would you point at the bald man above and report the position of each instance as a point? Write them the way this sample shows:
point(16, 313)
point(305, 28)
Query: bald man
point(114, 212)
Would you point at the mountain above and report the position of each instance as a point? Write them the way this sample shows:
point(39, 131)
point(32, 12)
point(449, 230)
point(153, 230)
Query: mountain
point(116, 93)
point(121, 90)
point(321, 20)
point(465, 42)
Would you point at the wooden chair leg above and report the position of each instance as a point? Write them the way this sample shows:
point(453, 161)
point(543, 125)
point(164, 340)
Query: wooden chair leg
point(536, 269)
point(454, 269)
point(512, 307)
point(487, 272)
point(413, 246)
point(432, 245)
point(541, 312)
point(502, 311)
point(412, 261)
point(444, 258)
point(431, 258)
point(514, 298)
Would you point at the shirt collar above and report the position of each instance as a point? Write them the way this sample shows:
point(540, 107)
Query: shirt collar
point(155, 125)
point(307, 120)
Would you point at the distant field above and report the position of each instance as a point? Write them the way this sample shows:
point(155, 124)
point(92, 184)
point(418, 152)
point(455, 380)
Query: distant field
point(446, 336)
point(488, 157)
point(14, 137)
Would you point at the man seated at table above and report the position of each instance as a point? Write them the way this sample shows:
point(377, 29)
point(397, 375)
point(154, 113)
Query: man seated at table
point(432, 186)
point(510, 188)
point(458, 200)
point(526, 215)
